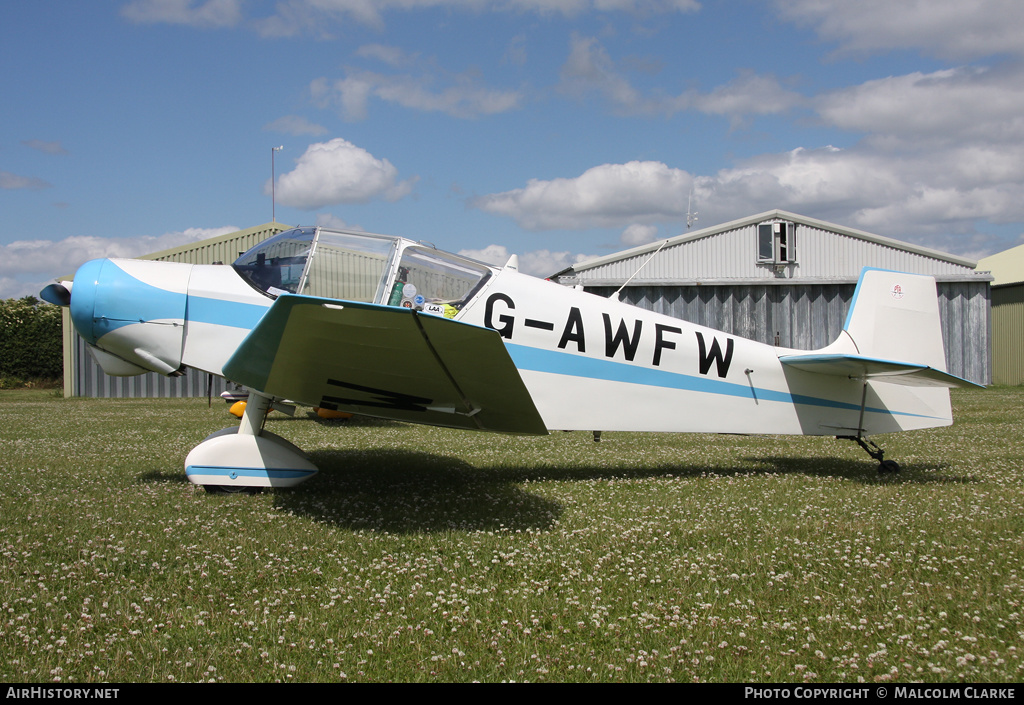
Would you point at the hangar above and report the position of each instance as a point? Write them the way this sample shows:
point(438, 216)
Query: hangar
point(786, 279)
point(1007, 269)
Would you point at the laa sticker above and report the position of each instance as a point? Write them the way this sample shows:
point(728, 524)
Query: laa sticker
point(897, 291)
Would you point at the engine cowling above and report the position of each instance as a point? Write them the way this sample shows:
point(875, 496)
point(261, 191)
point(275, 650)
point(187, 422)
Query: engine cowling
point(134, 312)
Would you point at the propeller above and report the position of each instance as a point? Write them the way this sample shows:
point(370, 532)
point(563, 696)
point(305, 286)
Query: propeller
point(58, 294)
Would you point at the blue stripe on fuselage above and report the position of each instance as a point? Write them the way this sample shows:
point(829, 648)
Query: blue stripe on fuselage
point(561, 363)
point(111, 298)
point(225, 313)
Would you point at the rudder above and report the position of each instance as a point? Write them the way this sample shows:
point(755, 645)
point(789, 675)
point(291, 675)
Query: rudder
point(895, 316)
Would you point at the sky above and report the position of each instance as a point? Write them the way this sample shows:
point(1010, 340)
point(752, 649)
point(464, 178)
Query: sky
point(557, 130)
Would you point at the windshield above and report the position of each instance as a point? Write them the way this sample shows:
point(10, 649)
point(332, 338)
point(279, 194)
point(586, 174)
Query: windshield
point(316, 262)
point(275, 265)
point(362, 267)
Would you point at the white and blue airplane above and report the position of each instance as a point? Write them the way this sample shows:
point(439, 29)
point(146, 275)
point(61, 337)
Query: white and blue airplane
point(388, 327)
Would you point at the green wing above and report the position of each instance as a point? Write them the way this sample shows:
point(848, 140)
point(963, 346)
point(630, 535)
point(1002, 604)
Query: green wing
point(385, 361)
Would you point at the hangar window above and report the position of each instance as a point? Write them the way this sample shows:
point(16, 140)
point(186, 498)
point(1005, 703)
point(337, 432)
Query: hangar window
point(776, 243)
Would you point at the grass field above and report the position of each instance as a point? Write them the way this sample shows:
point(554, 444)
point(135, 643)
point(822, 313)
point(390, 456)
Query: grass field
point(424, 554)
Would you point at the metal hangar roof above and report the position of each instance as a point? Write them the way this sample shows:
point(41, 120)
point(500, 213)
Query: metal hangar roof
point(774, 247)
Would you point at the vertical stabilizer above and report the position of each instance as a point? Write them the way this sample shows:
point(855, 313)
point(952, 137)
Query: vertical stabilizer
point(895, 316)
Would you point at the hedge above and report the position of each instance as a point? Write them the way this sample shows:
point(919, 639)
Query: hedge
point(31, 341)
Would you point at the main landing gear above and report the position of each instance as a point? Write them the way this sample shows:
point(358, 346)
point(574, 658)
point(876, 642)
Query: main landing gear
point(247, 458)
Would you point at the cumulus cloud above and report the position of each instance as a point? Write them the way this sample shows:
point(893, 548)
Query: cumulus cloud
point(539, 263)
point(26, 266)
point(492, 254)
point(13, 288)
point(941, 150)
point(573, 7)
point(515, 52)
point(590, 70)
point(610, 195)
point(933, 198)
point(335, 172)
point(928, 153)
point(423, 86)
point(637, 234)
point(462, 97)
point(946, 28)
point(14, 181)
point(295, 125)
point(919, 198)
point(64, 256)
point(209, 14)
point(292, 17)
point(827, 180)
point(45, 147)
point(960, 104)
point(749, 94)
point(465, 99)
point(329, 220)
point(391, 55)
point(937, 155)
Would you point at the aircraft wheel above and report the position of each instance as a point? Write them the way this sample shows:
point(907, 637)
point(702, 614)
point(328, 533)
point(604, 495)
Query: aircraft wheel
point(888, 466)
point(237, 462)
point(231, 489)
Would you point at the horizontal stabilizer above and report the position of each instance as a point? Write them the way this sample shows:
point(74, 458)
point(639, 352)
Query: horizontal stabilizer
point(861, 366)
point(385, 361)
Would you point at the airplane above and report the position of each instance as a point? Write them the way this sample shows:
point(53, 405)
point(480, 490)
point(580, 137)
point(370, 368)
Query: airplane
point(388, 327)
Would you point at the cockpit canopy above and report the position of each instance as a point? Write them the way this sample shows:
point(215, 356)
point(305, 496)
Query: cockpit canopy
point(362, 267)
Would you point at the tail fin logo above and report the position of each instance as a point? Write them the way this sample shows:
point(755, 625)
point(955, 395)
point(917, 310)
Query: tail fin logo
point(897, 291)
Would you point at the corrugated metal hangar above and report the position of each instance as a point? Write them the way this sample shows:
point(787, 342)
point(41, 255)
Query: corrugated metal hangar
point(787, 279)
point(1007, 269)
point(83, 376)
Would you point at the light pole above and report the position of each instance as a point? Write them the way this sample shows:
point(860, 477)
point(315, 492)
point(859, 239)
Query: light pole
point(273, 186)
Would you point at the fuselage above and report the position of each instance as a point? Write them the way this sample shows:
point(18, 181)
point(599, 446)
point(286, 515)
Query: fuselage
point(589, 362)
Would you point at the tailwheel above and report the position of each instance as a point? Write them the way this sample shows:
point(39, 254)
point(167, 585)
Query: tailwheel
point(870, 447)
point(888, 466)
point(876, 452)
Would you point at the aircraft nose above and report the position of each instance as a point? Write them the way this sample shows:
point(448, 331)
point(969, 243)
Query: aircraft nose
point(133, 309)
point(83, 301)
